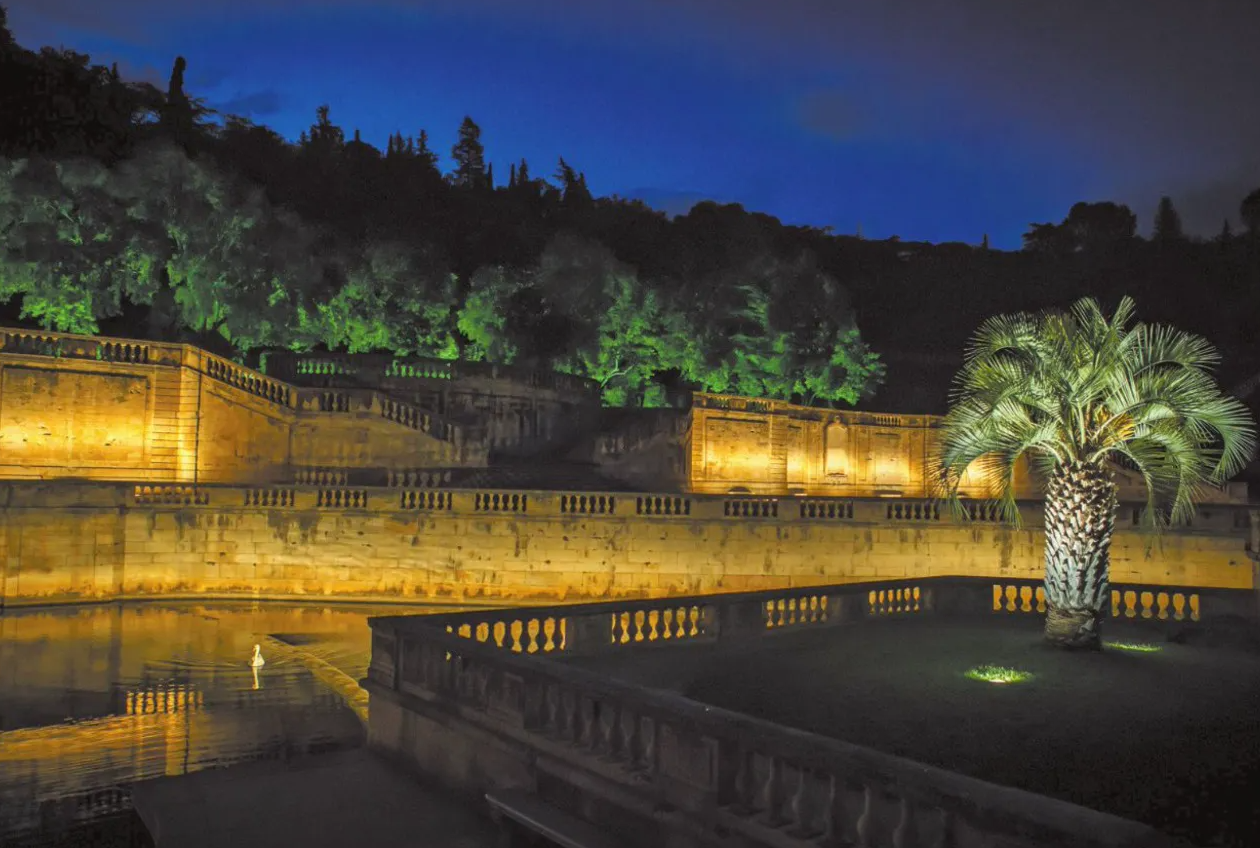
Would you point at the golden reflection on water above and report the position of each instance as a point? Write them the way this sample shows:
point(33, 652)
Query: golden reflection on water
point(95, 698)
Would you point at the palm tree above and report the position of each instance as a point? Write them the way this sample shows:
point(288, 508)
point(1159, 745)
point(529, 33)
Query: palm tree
point(1078, 394)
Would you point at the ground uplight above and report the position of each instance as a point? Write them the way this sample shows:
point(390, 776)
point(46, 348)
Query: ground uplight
point(1136, 647)
point(998, 674)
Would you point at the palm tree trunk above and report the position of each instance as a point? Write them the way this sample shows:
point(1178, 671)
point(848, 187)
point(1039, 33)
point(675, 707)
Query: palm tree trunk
point(1080, 518)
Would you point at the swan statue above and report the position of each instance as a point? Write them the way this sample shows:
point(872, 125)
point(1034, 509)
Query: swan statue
point(258, 661)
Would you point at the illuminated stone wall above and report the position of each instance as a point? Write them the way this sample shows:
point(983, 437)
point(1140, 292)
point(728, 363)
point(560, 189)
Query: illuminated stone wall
point(86, 407)
point(746, 445)
point(109, 409)
point(68, 541)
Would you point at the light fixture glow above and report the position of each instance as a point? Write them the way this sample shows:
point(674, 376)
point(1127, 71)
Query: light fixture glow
point(1136, 647)
point(998, 674)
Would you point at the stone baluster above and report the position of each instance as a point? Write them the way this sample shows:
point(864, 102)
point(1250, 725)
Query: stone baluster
point(551, 714)
point(744, 787)
point(638, 631)
point(607, 729)
point(646, 742)
point(844, 805)
point(768, 770)
point(570, 722)
point(905, 834)
point(803, 805)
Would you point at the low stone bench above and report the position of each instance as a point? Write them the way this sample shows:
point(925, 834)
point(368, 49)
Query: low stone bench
point(525, 820)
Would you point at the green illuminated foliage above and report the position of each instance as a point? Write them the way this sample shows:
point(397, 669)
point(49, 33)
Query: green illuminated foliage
point(482, 317)
point(63, 243)
point(392, 300)
point(229, 236)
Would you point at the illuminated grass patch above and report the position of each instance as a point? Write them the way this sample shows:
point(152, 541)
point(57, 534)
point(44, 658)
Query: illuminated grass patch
point(998, 674)
point(1136, 647)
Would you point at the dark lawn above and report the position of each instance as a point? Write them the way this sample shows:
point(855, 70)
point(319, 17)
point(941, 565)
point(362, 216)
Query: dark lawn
point(1170, 738)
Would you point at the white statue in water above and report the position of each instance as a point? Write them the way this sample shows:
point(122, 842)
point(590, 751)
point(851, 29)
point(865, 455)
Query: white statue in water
point(258, 661)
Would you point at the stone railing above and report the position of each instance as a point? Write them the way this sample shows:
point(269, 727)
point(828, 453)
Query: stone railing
point(1128, 601)
point(383, 484)
point(375, 403)
point(505, 715)
point(373, 370)
point(246, 379)
point(135, 352)
point(609, 625)
point(96, 348)
point(738, 403)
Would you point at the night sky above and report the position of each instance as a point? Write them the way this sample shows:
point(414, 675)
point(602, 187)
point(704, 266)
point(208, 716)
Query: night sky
point(931, 121)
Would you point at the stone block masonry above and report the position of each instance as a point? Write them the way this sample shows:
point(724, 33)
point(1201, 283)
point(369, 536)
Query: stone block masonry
point(83, 407)
point(66, 541)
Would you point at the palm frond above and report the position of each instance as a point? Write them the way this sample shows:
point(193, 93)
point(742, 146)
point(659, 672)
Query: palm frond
point(1078, 386)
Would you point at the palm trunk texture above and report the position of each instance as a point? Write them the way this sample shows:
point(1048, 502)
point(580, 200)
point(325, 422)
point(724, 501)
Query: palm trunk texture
point(1080, 518)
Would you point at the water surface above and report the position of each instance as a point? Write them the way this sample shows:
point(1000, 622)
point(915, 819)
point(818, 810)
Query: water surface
point(95, 698)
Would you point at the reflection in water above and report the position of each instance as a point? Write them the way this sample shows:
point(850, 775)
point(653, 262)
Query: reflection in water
point(95, 698)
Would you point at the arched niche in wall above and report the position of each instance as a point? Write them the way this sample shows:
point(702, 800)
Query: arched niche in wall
point(836, 449)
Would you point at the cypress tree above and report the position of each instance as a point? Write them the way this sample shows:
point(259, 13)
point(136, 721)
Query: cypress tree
point(1167, 222)
point(469, 156)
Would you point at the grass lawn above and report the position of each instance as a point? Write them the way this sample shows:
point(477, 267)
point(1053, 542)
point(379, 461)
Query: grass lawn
point(1169, 736)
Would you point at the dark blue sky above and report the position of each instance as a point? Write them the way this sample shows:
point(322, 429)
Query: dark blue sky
point(939, 125)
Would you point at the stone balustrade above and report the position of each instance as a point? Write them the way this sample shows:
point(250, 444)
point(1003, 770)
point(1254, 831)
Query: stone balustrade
point(1129, 602)
point(738, 403)
point(374, 403)
point(312, 484)
point(609, 625)
point(267, 387)
point(134, 352)
point(96, 348)
point(481, 700)
point(370, 369)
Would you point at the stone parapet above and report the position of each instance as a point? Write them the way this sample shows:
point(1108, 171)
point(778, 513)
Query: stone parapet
point(481, 702)
point(68, 541)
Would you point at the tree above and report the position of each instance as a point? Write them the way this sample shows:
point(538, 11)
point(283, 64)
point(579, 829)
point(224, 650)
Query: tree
point(482, 319)
point(1167, 222)
point(1077, 394)
point(1099, 226)
point(470, 157)
point(572, 186)
point(1048, 240)
point(63, 243)
point(427, 158)
point(392, 299)
point(6, 36)
point(1249, 211)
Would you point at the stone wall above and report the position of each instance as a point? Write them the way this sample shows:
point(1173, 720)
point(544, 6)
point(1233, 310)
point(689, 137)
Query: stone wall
point(63, 541)
point(92, 408)
point(738, 445)
point(747, 445)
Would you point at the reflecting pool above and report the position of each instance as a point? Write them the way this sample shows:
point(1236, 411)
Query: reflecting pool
point(95, 698)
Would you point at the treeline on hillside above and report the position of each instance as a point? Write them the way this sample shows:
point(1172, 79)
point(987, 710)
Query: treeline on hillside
point(132, 210)
point(123, 207)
